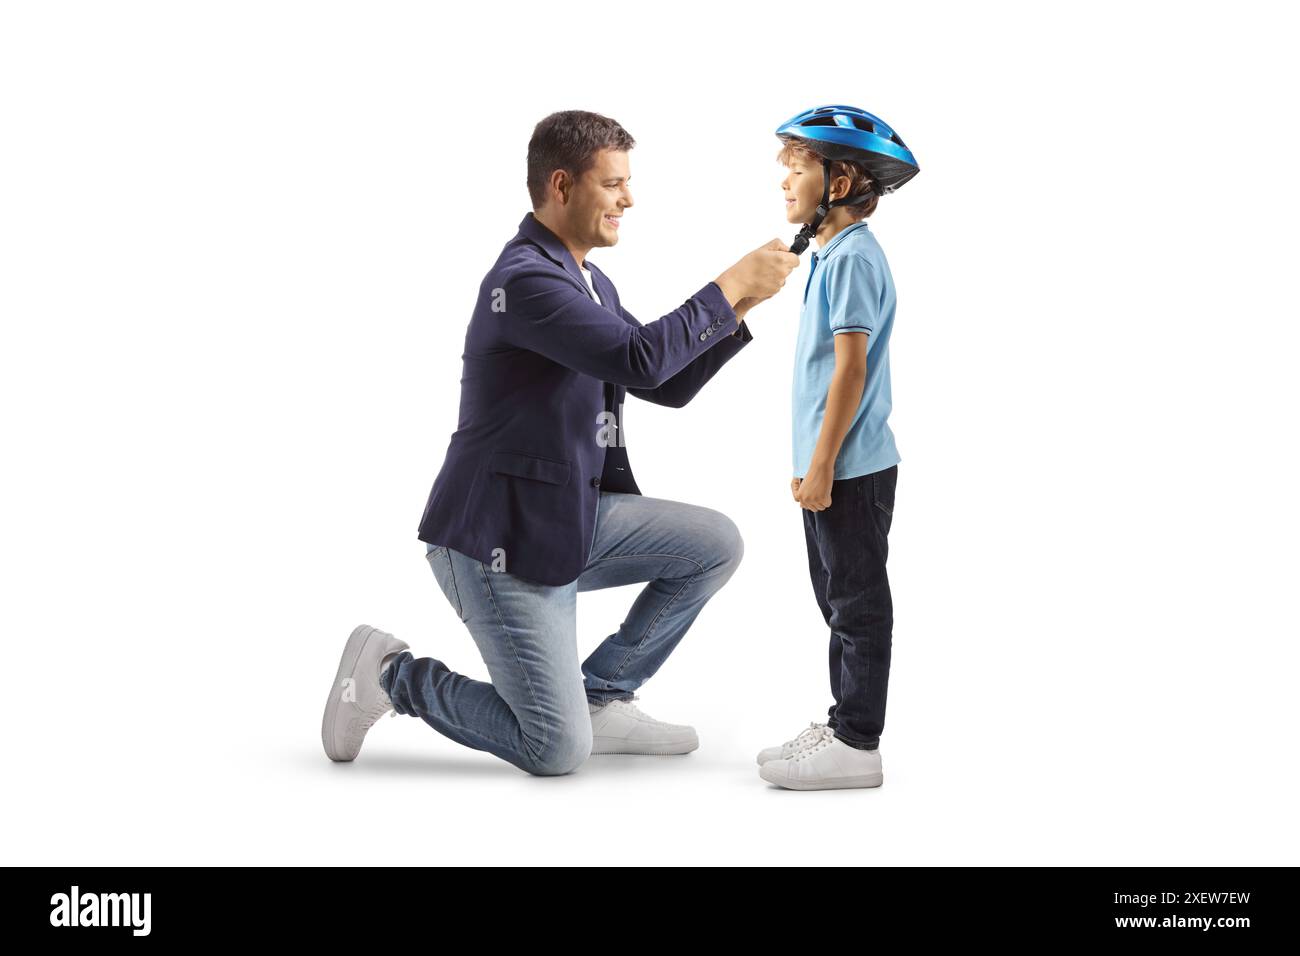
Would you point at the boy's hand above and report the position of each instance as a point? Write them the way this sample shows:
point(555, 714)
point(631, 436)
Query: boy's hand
point(814, 492)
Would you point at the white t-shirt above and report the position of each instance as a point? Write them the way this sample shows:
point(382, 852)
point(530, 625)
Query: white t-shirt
point(586, 274)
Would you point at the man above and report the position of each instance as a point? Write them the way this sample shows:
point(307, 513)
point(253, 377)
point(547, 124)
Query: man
point(536, 499)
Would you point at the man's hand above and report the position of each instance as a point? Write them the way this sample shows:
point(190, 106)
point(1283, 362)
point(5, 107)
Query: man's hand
point(759, 275)
point(794, 489)
point(748, 302)
point(814, 491)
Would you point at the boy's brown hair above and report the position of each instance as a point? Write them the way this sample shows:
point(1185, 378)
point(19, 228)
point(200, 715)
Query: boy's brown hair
point(860, 181)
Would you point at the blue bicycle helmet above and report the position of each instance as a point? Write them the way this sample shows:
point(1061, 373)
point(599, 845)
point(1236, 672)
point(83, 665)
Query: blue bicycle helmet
point(849, 133)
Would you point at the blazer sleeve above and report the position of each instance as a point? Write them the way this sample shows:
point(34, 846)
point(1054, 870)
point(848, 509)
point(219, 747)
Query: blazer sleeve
point(544, 311)
point(684, 386)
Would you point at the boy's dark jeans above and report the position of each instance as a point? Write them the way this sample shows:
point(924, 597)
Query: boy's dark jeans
point(848, 545)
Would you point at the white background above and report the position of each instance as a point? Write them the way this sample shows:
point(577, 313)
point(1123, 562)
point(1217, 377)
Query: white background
point(241, 241)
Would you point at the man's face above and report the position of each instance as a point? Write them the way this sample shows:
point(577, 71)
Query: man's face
point(803, 189)
point(597, 200)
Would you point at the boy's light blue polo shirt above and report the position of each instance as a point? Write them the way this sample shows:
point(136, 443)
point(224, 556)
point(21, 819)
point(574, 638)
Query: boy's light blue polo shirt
point(849, 289)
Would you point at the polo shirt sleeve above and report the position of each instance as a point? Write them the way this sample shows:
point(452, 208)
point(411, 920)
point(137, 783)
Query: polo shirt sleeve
point(853, 293)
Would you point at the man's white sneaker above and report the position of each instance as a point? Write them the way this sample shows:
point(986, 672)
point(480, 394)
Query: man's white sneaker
point(810, 734)
point(828, 764)
point(356, 700)
point(620, 727)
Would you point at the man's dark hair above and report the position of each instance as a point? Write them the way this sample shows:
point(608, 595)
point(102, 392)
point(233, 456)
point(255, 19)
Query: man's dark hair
point(570, 140)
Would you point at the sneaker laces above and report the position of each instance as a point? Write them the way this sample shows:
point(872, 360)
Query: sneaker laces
point(633, 707)
point(807, 737)
point(816, 742)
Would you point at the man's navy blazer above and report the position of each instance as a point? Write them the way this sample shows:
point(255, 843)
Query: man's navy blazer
point(543, 364)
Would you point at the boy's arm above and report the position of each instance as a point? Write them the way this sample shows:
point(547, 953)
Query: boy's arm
point(844, 395)
point(842, 400)
point(853, 294)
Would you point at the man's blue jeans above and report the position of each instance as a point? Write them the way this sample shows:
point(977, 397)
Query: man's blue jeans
point(534, 713)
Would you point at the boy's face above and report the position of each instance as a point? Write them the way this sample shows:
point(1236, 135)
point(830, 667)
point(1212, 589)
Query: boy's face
point(803, 189)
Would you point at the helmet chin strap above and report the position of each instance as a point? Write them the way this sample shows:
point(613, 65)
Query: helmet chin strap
point(824, 207)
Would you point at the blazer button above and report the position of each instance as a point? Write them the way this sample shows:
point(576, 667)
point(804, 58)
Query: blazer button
point(595, 482)
point(703, 336)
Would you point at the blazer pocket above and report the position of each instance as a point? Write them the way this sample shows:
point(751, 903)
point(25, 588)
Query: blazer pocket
point(550, 470)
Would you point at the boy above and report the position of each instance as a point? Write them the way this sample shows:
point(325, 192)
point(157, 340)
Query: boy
point(839, 161)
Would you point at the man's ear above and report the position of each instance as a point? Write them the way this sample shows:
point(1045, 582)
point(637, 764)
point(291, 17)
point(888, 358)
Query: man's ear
point(562, 183)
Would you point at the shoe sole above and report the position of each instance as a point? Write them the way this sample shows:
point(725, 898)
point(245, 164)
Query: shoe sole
point(611, 745)
point(347, 667)
point(835, 783)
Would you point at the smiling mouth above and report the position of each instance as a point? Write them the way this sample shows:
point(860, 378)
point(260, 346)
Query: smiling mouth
point(612, 220)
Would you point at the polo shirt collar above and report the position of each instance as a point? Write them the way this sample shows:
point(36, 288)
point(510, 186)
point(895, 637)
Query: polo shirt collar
point(821, 253)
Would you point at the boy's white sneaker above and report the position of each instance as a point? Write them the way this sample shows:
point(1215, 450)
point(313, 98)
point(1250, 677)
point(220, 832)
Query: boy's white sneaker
point(827, 764)
point(810, 734)
point(620, 727)
point(356, 700)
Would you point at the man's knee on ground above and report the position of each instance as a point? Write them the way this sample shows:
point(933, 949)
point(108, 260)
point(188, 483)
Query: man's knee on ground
point(566, 750)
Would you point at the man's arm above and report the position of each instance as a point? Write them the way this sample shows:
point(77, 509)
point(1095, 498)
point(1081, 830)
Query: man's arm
point(684, 386)
point(545, 313)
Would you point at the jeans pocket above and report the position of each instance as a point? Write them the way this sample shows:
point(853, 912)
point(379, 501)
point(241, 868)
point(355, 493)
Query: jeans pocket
point(883, 484)
point(440, 560)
